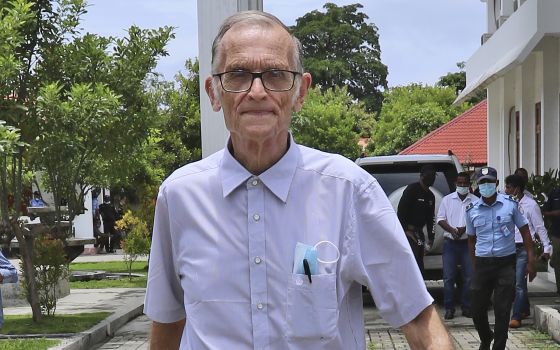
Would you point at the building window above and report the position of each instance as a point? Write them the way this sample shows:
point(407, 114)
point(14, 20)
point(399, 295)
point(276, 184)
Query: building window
point(517, 140)
point(538, 138)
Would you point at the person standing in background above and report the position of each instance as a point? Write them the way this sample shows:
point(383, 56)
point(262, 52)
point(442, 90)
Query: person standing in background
point(451, 217)
point(416, 210)
point(515, 187)
point(551, 210)
point(8, 274)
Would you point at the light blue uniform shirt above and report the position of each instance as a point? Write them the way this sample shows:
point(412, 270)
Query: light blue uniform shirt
point(9, 273)
point(223, 253)
point(494, 226)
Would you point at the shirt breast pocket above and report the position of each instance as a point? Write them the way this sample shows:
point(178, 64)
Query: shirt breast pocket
point(312, 308)
point(479, 221)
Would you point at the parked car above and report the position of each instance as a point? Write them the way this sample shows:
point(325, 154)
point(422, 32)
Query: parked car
point(394, 173)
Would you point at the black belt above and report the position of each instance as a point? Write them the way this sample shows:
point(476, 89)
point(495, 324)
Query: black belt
point(485, 259)
point(519, 245)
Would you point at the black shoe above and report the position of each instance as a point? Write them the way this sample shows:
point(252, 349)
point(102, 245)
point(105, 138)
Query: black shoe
point(449, 314)
point(467, 313)
point(485, 344)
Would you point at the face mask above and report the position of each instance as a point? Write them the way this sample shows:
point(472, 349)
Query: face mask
point(487, 190)
point(462, 190)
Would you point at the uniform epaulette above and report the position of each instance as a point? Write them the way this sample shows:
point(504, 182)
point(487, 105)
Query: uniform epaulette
point(470, 206)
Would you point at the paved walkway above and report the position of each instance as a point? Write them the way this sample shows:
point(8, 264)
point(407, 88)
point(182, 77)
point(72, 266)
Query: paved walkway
point(130, 328)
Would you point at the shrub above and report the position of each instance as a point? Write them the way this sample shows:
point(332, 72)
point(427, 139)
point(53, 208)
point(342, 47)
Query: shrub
point(136, 239)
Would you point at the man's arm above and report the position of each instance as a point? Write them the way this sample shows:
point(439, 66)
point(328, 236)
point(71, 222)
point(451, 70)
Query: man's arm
point(166, 336)
point(472, 244)
point(430, 220)
point(528, 243)
point(427, 331)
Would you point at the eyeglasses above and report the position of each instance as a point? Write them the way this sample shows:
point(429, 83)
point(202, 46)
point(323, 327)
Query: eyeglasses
point(272, 80)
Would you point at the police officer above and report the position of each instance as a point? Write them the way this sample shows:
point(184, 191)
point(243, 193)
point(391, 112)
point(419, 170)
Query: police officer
point(491, 222)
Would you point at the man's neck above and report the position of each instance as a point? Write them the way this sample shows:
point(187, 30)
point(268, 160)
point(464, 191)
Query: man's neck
point(462, 196)
point(490, 200)
point(257, 157)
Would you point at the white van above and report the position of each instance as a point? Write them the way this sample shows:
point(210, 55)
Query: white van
point(394, 173)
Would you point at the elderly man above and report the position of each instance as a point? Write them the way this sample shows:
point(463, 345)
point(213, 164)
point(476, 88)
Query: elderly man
point(491, 222)
point(265, 244)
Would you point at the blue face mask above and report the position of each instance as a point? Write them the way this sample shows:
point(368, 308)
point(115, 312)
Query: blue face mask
point(487, 189)
point(462, 190)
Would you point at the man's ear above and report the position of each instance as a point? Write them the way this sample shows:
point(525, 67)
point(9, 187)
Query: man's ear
point(214, 100)
point(303, 88)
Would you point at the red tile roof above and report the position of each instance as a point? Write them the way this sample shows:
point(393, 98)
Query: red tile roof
point(465, 135)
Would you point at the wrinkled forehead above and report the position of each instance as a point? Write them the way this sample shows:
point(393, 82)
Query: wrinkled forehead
point(247, 42)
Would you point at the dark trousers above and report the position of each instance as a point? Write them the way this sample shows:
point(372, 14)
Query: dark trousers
point(418, 251)
point(456, 252)
point(493, 275)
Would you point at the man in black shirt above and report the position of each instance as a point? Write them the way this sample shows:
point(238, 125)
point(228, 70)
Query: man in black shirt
point(551, 210)
point(416, 210)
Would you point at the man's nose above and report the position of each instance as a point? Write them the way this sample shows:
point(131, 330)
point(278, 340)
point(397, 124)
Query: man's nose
point(257, 88)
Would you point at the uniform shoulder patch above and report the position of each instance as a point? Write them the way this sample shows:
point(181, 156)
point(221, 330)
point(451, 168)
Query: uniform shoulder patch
point(513, 199)
point(470, 206)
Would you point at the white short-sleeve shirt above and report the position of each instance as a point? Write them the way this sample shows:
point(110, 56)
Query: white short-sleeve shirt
point(223, 250)
point(452, 209)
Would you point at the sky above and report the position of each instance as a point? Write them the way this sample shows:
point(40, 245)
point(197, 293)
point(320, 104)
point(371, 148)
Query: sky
point(421, 40)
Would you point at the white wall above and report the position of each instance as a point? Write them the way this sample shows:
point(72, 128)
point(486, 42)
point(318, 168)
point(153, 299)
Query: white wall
point(211, 14)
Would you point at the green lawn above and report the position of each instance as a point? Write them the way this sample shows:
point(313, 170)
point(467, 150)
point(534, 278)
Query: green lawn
point(27, 344)
point(65, 323)
point(139, 267)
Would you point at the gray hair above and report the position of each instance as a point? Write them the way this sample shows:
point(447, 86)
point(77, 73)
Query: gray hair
point(260, 18)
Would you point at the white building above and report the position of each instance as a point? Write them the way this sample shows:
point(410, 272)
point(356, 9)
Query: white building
point(518, 64)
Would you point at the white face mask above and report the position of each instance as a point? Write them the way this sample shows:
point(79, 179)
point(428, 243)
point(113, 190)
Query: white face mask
point(462, 190)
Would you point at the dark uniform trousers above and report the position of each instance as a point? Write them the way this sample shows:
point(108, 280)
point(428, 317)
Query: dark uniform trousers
point(418, 248)
point(497, 275)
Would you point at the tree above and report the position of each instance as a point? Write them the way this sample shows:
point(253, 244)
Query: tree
point(458, 82)
point(329, 121)
point(410, 112)
point(341, 49)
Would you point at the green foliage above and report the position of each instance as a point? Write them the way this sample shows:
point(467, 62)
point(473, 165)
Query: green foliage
point(50, 265)
point(409, 113)
point(341, 49)
point(541, 185)
point(27, 344)
point(328, 121)
point(138, 267)
point(67, 323)
point(137, 238)
point(458, 82)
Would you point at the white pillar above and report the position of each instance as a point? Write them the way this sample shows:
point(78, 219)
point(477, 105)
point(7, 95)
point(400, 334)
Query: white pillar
point(211, 13)
point(550, 105)
point(527, 115)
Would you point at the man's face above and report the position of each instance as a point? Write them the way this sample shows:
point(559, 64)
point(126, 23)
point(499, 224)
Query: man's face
point(258, 114)
point(511, 190)
point(428, 178)
point(463, 182)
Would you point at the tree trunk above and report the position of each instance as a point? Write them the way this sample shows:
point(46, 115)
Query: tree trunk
point(26, 251)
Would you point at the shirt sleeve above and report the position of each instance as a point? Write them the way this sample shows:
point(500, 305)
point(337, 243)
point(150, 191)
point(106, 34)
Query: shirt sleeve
point(518, 218)
point(538, 225)
point(383, 260)
point(403, 209)
point(442, 211)
point(8, 271)
point(164, 295)
point(469, 224)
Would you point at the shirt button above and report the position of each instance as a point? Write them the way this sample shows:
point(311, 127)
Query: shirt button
point(299, 281)
point(260, 306)
point(256, 217)
point(255, 182)
point(258, 260)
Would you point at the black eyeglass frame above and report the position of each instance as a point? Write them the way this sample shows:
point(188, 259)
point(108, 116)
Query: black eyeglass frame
point(258, 75)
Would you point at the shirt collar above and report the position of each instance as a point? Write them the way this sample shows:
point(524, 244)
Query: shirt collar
point(278, 178)
point(499, 198)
